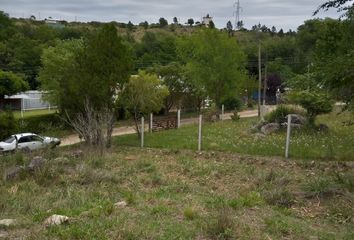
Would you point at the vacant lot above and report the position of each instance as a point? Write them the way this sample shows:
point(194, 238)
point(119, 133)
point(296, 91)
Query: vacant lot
point(336, 143)
point(179, 195)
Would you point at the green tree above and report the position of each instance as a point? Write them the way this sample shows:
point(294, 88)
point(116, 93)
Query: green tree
point(214, 62)
point(142, 95)
point(175, 20)
point(211, 25)
point(84, 78)
point(229, 28)
point(172, 77)
point(163, 22)
point(190, 21)
point(11, 83)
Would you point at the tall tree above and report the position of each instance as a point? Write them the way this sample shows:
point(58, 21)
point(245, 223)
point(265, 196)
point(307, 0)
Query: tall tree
point(11, 83)
point(229, 28)
point(214, 62)
point(190, 21)
point(163, 22)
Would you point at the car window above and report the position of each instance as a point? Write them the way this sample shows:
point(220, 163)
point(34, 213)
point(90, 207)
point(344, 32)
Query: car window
point(24, 140)
point(10, 139)
point(36, 138)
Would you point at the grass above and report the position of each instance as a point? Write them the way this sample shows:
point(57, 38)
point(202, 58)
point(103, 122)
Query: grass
point(178, 195)
point(32, 113)
point(335, 144)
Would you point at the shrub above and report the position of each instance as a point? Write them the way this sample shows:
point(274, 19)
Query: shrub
point(314, 102)
point(220, 226)
point(39, 124)
point(281, 198)
point(281, 112)
point(235, 117)
point(8, 124)
point(232, 103)
point(189, 213)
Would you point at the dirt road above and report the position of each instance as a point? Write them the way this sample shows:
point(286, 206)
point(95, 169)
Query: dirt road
point(74, 138)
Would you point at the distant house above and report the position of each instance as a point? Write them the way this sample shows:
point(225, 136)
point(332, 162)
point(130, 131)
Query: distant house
point(29, 100)
point(206, 20)
point(53, 23)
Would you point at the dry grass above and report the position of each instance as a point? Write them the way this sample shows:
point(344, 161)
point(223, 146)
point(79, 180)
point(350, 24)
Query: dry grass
point(180, 195)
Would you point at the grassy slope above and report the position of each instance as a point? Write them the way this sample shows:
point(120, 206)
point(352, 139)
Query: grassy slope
point(335, 144)
point(32, 113)
point(180, 195)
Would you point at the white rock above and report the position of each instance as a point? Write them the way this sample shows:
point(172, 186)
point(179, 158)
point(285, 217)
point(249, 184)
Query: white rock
point(56, 220)
point(121, 204)
point(7, 222)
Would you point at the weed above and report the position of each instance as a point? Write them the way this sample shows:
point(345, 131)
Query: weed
point(190, 213)
point(221, 225)
point(250, 199)
point(279, 197)
point(320, 187)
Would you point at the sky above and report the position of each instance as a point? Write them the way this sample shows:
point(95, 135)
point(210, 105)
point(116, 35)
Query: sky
point(285, 14)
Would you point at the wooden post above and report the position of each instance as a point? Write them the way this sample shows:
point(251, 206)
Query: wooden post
point(142, 132)
point(22, 107)
point(222, 112)
point(288, 137)
point(178, 118)
point(150, 125)
point(259, 78)
point(200, 133)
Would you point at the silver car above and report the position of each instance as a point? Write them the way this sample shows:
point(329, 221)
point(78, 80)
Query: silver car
point(27, 142)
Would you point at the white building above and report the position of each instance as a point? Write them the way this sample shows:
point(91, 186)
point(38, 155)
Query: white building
point(206, 20)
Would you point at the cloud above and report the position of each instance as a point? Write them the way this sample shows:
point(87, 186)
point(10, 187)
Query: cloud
point(286, 14)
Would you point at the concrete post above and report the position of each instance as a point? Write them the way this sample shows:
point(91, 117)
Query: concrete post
point(200, 133)
point(222, 112)
point(178, 118)
point(142, 132)
point(288, 137)
point(150, 125)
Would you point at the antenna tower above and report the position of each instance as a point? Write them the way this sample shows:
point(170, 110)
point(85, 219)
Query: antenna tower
point(237, 10)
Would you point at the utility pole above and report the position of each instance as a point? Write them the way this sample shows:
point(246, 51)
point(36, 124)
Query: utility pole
point(259, 78)
point(265, 83)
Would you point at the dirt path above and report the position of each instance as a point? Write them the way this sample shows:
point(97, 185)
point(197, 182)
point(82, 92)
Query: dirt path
point(74, 138)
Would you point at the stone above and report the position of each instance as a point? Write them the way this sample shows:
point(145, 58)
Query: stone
point(13, 172)
point(36, 163)
point(296, 119)
point(56, 220)
point(77, 153)
point(7, 222)
point(121, 204)
point(270, 128)
point(3, 234)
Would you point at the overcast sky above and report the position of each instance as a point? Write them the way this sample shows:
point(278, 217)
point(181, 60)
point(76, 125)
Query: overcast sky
point(286, 14)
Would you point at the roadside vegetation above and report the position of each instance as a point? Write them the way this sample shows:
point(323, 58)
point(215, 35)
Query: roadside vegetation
point(179, 195)
point(334, 143)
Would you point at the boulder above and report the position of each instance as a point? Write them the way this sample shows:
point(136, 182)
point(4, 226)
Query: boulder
point(56, 220)
point(77, 153)
point(13, 173)
point(295, 119)
point(121, 204)
point(270, 128)
point(36, 163)
point(7, 222)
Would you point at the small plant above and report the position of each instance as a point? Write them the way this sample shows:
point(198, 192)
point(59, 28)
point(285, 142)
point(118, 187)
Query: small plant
point(279, 197)
point(189, 213)
point(220, 226)
point(250, 199)
point(320, 187)
point(235, 117)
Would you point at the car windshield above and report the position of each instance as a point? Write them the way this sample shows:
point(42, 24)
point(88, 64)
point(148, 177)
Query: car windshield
point(9, 140)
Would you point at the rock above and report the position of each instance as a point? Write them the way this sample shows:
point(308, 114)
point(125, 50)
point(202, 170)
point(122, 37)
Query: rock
point(36, 163)
point(7, 222)
point(77, 153)
point(296, 119)
point(13, 173)
point(56, 220)
point(3, 234)
point(270, 128)
point(121, 204)
point(293, 125)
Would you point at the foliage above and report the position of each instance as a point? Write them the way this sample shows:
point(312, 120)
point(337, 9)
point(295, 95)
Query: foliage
point(11, 83)
point(8, 124)
point(143, 94)
point(83, 77)
point(173, 78)
point(42, 124)
point(232, 103)
point(314, 102)
point(279, 114)
point(190, 21)
point(214, 62)
point(163, 22)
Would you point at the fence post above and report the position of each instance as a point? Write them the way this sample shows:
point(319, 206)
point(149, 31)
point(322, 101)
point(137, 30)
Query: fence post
point(142, 132)
point(150, 125)
point(288, 137)
point(222, 112)
point(178, 118)
point(200, 133)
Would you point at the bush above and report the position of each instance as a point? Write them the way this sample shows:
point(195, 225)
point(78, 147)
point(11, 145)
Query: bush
point(8, 124)
point(39, 124)
point(232, 103)
point(235, 117)
point(278, 115)
point(314, 102)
